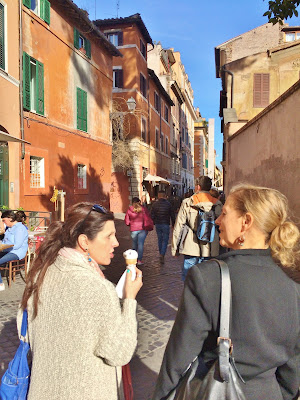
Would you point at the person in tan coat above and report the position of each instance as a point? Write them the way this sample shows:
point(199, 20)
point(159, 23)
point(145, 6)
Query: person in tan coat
point(184, 240)
point(79, 333)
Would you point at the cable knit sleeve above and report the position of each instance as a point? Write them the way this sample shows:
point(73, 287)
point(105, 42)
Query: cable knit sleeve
point(118, 328)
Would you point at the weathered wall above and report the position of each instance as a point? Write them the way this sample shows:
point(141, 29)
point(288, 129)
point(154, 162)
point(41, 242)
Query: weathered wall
point(266, 151)
point(54, 136)
point(9, 101)
point(255, 41)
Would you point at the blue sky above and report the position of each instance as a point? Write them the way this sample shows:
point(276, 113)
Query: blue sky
point(194, 28)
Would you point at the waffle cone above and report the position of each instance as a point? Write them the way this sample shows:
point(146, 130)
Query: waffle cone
point(131, 261)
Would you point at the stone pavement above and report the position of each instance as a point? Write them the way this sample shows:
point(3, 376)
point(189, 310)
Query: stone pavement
point(157, 304)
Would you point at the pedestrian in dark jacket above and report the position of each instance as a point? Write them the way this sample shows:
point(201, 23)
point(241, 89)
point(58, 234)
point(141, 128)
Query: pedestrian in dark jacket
point(265, 325)
point(161, 213)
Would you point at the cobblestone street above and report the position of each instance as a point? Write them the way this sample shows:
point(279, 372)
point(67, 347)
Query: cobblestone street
point(157, 305)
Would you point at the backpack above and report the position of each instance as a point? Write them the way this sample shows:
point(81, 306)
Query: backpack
point(206, 226)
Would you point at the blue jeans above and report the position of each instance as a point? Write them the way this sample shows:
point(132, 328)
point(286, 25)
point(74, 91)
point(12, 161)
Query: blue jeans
point(6, 257)
point(163, 233)
point(138, 239)
point(189, 261)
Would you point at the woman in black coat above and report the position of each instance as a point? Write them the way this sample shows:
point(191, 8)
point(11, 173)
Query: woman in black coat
point(265, 326)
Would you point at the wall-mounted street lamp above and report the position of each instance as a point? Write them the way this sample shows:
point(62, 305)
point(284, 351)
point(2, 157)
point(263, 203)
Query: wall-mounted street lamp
point(131, 104)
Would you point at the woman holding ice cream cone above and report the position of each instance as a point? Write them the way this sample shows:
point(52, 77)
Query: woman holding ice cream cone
point(79, 333)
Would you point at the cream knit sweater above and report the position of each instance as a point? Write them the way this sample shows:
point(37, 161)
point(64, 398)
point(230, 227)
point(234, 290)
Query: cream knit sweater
point(80, 334)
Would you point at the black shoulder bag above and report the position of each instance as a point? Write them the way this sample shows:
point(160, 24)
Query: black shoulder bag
point(222, 382)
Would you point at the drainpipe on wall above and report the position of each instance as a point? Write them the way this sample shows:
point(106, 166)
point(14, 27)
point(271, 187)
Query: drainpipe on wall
point(232, 77)
point(21, 80)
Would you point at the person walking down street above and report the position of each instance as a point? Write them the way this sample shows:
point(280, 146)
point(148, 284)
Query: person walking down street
point(185, 229)
point(79, 333)
point(162, 213)
point(15, 234)
point(134, 218)
point(265, 319)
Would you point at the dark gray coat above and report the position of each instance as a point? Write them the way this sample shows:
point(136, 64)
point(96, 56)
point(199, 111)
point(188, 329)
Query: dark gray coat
point(265, 325)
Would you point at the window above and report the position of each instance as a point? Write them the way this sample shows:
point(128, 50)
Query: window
point(144, 130)
point(2, 37)
point(167, 146)
point(116, 38)
point(118, 78)
point(156, 102)
point(81, 43)
point(81, 176)
point(37, 172)
point(261, 89)
point(143, 85)
point(184, 160)
point(81, 110)
point(156, 138)
point(161, 141)
point(291, 36)
point(143, 48)
point(39, 7)
point(166, 113)
point(33, 85)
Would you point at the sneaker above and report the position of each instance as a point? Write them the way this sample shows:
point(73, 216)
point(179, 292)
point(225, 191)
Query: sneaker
point(140, 262)
point(162, 259)
point(2, 287)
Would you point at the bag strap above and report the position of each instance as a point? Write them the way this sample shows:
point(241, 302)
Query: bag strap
point(24, 324)
point(224, 341)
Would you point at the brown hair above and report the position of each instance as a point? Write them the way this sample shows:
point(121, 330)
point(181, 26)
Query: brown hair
point(204, 182)
point(80, 219)
point(270, 212)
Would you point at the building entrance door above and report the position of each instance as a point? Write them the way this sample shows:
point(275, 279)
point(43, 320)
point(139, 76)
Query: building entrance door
point(3, 175)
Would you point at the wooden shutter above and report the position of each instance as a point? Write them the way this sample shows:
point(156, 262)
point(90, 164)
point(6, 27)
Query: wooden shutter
point(45, 11)
point(261, 90)
point(120, 38)
point(119, 78)
point(76, 38)
point(84, 111)
point(81, 110)
point(27, 3)
point(40, 88)
point(87, 44)
point(26, 81)
point(2, 42)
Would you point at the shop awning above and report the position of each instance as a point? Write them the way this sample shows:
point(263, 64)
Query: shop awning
point(156, 178)
point(173, 182)
point(6, 137)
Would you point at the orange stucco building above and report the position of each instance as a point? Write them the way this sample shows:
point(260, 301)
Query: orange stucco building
point(9, 104)
point(148, 128)
point(67, 86)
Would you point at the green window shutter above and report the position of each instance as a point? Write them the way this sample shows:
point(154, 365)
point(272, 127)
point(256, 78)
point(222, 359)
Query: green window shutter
point(27, 3)
point(76, 38)
point(26, 81)
point(79, 109)
point(84, 111)
point(2, 42)
point(45, 11)
point(88, 48)
point(40, 88)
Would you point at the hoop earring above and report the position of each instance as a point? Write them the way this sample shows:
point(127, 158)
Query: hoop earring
point(241, 240)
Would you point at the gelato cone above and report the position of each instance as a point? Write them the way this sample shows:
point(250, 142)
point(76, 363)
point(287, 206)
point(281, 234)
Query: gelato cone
point(130, 257)
point(131, 262)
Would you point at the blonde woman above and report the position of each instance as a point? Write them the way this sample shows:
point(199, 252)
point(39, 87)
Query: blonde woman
point(265, 324)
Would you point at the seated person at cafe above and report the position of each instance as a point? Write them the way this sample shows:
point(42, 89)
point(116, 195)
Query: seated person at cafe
point(15, 236)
